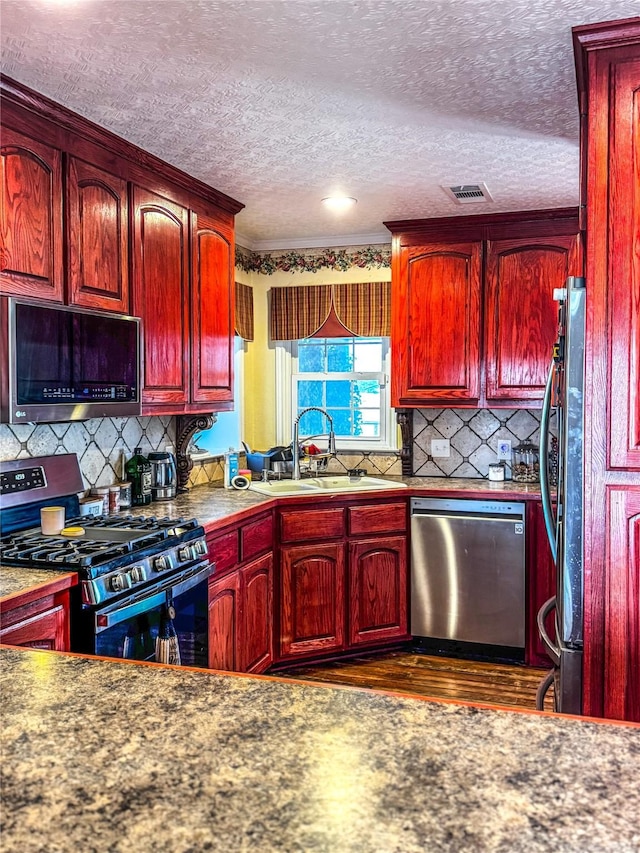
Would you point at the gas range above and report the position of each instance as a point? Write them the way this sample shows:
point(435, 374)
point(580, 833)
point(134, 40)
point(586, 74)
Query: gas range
point(114, 554)
point(143, 580)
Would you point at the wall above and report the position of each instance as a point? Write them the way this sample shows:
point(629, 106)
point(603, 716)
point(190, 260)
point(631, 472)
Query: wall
point(100, 444)
point(289, 269)
point(474, 436)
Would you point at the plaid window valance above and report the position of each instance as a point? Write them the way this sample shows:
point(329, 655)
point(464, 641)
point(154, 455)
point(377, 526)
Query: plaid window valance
point(244, 311)
point(363, 309)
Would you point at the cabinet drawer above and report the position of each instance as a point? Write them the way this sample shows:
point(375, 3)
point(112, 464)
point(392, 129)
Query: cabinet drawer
point(380, 518)
point(311, 524)
point(256, 538)
point(224, 550)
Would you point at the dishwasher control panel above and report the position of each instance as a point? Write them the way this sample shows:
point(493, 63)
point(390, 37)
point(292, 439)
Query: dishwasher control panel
point(466, 506)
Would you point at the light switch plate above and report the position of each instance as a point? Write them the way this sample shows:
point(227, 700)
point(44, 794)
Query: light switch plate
point(440, 447)
point(504, 448)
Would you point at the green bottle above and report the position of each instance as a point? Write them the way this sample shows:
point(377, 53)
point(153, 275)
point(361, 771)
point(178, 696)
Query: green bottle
point(138, 470)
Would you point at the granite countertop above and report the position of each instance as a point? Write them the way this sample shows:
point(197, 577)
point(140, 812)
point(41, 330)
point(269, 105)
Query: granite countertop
point(113, 756)
point(16, 580)
point(215, 504)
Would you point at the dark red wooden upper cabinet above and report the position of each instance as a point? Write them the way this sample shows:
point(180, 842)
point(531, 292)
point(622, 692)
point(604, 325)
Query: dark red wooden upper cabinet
point(97, 222)
point(160, 263)
point(212, 310)
point(520, 312)
point(436, 324)
point(32, 243)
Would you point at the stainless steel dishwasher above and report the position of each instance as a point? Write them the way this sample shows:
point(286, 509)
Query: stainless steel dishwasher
point(468, 571)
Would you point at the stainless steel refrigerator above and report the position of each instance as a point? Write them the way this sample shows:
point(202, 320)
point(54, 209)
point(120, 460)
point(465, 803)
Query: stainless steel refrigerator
point(563, 511)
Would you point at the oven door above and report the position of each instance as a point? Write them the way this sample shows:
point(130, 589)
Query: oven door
point(130, 626)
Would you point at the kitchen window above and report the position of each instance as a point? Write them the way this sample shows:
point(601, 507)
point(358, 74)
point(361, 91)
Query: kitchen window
point(349, 378)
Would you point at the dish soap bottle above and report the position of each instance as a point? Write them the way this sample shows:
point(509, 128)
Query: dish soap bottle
point(231, 466)
point(138, 470)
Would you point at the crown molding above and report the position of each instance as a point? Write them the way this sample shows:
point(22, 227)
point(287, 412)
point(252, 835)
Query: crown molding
point(312, 243)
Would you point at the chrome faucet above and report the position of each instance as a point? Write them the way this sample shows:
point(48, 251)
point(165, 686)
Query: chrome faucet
point(295, 445)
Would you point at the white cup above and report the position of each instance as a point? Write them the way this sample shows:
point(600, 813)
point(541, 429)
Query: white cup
point(51, 520)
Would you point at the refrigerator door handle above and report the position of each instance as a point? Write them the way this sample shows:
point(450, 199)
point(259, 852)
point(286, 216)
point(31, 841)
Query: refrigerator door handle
point(550, 521)
point(545, 610)
point(543, 689)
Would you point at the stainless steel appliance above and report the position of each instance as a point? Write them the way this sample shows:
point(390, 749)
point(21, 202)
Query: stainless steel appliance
point(137, 573)
point(67, 364)
point(468, 575)
point(564, 395)
point(164, 476)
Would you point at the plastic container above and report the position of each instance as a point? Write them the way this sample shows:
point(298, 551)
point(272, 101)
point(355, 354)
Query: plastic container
point(231, 466)
point(92, 505)
point(51, 520)
point(526, 463)
point(496, 472)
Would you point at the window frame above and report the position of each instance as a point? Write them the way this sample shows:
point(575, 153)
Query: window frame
point(286, 380)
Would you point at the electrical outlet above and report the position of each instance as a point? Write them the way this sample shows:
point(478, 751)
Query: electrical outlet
point(440, 447)
point(504, 448)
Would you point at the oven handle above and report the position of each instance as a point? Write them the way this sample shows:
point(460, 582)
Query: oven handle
point(185, 585)
point(107, 618)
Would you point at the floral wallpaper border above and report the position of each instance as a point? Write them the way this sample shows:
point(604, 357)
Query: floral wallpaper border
point(340, 259)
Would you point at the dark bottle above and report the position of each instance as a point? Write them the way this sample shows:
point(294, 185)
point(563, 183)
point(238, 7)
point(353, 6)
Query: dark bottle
point(138, 470)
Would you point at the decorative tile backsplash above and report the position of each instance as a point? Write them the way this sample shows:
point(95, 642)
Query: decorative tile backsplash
point(473, 436)
point(100, 443)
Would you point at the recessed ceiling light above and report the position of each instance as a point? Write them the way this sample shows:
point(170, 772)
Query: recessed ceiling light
point(338, 203)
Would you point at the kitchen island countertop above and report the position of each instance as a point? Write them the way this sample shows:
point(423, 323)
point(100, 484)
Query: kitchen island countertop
point(113, 756)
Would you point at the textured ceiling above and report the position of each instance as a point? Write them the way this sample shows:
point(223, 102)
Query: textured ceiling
point(279, 103)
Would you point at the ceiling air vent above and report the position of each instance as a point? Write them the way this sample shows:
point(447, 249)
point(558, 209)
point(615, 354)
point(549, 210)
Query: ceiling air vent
point(468, 193)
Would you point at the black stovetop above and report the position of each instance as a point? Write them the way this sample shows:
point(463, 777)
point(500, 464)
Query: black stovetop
point(107, 542)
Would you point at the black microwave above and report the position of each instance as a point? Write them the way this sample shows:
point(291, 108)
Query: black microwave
point(68, 364)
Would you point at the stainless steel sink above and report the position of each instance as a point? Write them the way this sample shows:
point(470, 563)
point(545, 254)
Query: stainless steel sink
point(324, 485)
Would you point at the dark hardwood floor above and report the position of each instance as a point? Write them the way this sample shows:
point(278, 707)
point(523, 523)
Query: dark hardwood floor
point(433, 676)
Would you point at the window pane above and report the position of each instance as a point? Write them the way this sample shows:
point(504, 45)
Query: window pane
point(342, 422)
point(312, 423)
point(369, 422)
point(310, 393)
point(339, 393)
point(310, 358)
point(368, 356)
point(367, 393)
point(339, 358)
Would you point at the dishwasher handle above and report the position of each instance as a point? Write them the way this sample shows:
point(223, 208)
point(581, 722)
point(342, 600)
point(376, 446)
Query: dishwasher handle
point(517, 517)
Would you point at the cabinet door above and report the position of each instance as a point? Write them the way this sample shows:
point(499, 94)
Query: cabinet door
point(311, 599)
point(436, 324)
point(623, 273)
point(224, 609)
point(521, 314)
point(31, 260)
point(212, 318)
point(47, 630)
point(377, 590)
point(97, 219)
point(160, 256)
point(622, 605)
point(255, 644)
